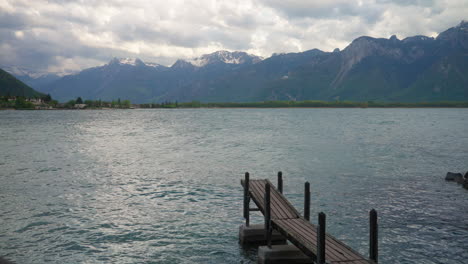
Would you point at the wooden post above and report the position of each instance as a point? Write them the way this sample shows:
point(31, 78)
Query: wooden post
point(246, 200)
point(267, 215)
point(307, 201)
point(321, 239)
point(373, 236)
point(280, 181)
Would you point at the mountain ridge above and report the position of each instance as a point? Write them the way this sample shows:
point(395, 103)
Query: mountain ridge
point(415, 68)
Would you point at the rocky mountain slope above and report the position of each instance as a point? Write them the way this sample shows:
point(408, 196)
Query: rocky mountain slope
point(414, 69)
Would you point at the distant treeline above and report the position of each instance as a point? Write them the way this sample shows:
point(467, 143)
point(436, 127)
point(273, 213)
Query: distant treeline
point(21, 102)
point(280, 104)
point(80, 103)
point(46, 102)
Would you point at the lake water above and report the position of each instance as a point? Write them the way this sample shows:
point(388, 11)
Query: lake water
point(162, 186)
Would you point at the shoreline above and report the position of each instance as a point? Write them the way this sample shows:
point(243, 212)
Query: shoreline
point(245, 107)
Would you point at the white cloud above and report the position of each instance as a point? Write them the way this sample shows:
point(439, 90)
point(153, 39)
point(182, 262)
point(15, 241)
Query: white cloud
point(69, 35)
point(19, 34)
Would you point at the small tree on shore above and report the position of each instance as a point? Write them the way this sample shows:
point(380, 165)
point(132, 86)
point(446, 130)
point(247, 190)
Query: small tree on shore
point(126, 104)
point(47, 98)
point(70, 104)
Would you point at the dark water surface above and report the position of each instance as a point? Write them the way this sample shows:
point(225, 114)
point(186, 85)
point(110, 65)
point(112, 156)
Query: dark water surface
point(162, 186)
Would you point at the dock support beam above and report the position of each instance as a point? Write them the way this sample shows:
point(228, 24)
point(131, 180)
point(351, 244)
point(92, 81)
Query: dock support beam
point(373, 236)
point(254, 235)
point(268, 228)
point(307, 201)
point(246, 200)
point(280, 181)
point(282, 254)
point(321, 238)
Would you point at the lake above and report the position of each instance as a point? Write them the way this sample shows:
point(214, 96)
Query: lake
point(163, 186)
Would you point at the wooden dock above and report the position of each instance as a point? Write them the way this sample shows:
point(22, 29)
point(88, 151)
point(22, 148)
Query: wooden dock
point(311, 239)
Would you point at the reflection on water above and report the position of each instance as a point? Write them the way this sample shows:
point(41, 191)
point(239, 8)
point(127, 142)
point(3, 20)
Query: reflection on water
point(162, 186)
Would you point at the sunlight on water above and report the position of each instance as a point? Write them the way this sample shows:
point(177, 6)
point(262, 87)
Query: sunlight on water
point(162, 186)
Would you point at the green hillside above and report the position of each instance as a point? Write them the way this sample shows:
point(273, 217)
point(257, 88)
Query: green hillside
point(446, 80)
point(10, 86)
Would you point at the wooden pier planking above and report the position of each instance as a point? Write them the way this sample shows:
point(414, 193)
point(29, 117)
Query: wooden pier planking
point(281, 208)
point(303, 234)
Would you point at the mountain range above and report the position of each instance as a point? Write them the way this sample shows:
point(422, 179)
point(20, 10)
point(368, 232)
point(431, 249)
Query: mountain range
point(413, 69)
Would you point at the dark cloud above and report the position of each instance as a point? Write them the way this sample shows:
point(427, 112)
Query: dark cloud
point(67, 35)
point(428, 3)
point(245, 21)
point(13, 21)
point(331, 9)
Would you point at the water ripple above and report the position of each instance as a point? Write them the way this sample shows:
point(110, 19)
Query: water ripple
point(163, 186)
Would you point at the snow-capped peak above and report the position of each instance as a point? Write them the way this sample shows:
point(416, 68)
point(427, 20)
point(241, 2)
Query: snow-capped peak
point(127, 61)
point(152, 64)
point(20, 71)
point(199, 62)
point(223, 56)
point(133, 62)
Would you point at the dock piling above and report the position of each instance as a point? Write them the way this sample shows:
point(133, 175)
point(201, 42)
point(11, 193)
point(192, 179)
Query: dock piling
point(321, 238)
point(246, 200)
point(280, 181)
point(307, 201)
point(373, 236)
point(267, 215)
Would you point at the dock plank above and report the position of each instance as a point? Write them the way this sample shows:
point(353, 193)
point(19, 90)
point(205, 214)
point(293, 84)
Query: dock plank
point(280, 207)
point(303, 234)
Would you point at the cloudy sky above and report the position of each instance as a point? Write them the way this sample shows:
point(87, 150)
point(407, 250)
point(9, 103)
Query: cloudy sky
point(69, 35)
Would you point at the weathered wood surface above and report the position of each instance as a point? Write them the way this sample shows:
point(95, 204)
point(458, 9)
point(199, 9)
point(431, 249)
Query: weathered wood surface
point(303, 234)
point(281, 208)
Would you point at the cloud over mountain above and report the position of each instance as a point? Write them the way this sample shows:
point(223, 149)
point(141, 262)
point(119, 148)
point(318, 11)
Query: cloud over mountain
point(65, 36)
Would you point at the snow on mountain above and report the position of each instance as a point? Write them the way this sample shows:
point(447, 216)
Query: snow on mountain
point(19, 71)
point(152, 64)
point(225, 57)
point(126, 61)
point(129, 61)
point(133, 62)
point(199, 62)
